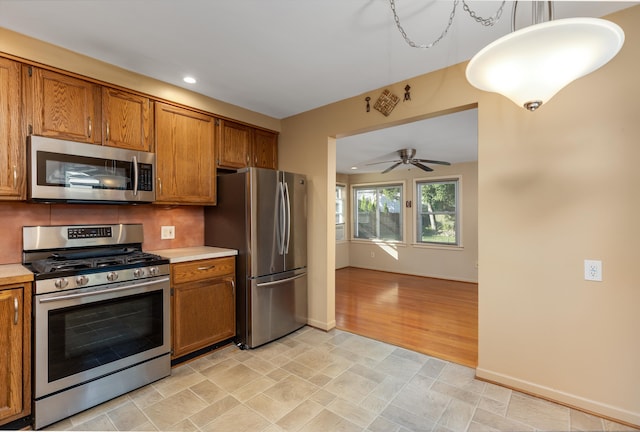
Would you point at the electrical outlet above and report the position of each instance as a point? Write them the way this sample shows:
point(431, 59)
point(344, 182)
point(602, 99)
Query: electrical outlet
point(168, 232)
point(593, 270)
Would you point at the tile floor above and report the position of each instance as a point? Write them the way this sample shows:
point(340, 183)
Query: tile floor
point(326, 382)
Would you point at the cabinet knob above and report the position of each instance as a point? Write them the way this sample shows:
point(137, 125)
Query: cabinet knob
point(90, 126)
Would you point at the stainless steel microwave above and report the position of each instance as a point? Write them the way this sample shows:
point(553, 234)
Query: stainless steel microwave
point(68, 171)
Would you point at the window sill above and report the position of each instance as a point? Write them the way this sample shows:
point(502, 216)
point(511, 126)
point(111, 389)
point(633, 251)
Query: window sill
point(379, 242)
point(437, 246)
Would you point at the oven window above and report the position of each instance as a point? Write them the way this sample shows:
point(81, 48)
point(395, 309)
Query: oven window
point(86, 336)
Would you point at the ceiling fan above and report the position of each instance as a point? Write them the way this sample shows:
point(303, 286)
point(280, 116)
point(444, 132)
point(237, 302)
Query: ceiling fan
point(407, 157)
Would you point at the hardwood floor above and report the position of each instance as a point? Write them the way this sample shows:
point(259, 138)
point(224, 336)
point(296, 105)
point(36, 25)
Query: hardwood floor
point(432, 316)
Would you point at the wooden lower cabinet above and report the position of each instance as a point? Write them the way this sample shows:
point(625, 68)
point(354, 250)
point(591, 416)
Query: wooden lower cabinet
point(203, 304)
point(15, 352)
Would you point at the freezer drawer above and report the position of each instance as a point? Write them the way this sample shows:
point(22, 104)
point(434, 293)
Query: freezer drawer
point(278, 306)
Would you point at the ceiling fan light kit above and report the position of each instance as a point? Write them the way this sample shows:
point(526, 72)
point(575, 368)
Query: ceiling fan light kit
point(407, 158)
point(529, 66)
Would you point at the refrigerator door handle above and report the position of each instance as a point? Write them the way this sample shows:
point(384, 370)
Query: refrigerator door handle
point(288, 219)
point(281, 221)
point(280, 281)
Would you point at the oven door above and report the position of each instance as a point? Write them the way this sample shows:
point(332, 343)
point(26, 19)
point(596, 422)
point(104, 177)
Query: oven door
point(70, 171)
point(84, 334)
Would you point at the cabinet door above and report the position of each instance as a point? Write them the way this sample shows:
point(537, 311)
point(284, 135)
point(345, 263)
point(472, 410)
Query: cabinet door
point(64, 107)
point(234, 144)
point(184, 156)
point(11, 354)
point(204, 313)
point(265, 149)
point(12, 155)
point(126, 120)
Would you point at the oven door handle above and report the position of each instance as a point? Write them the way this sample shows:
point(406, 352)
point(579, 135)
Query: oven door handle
point(111, 290)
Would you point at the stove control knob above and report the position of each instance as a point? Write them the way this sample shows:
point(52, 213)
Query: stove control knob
point(112, 276)
point(153, 271)
point(82, 280)
point(61, 283)
point(138, 273)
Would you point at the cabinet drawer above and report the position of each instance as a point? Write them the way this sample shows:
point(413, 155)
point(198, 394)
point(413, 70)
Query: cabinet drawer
point(202, 269)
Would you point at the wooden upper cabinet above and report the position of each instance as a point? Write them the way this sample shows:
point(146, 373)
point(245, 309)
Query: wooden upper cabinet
point(61, 106)
point(234, 144)
point(12, 135)
point(265, 149)
point(126, 120)
point(240, 146)
point(64, 107)
point(186, 172)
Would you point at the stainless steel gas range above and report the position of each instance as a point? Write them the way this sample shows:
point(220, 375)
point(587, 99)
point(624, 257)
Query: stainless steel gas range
point(101, 315)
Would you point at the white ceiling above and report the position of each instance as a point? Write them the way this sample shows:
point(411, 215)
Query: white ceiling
point(276, 57)
point(452, 138)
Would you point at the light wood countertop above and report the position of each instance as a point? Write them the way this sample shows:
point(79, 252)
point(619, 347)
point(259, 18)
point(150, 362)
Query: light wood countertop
point(194, 253)
point(14, 273)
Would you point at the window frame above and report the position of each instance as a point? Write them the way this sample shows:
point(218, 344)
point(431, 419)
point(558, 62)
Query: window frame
point(459, 213)
point(345, 212)
point(353, 205)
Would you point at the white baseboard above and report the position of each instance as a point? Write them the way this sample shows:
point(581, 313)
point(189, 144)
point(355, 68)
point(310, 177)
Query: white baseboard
point(595, 407)
point(326, 326)
point(435, 276)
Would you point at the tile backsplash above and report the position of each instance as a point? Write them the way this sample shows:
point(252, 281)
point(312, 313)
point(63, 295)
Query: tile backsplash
point(188, 222)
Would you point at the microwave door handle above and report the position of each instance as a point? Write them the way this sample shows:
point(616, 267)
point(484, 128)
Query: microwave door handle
point(135, 175)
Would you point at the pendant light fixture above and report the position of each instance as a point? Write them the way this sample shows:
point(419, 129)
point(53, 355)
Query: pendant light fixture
point(532, 64)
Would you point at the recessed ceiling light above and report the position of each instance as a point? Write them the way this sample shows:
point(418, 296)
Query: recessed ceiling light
point(354, 167)
point(189, 80)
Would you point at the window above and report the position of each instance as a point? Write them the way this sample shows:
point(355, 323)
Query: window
point(437, 212)
point(341, 201)
point(377, 212)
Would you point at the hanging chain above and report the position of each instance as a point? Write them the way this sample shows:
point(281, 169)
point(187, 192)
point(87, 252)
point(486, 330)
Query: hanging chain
point(484, 21)
point(408, 40)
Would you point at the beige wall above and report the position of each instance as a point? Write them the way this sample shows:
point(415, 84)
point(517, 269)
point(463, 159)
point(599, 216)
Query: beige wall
point(555, 187)
point(455, 263)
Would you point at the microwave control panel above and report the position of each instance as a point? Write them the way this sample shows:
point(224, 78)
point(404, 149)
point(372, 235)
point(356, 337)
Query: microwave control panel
point(145, 177)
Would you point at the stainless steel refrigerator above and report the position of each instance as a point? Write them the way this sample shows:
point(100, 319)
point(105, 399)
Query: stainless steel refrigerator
point(263, 214)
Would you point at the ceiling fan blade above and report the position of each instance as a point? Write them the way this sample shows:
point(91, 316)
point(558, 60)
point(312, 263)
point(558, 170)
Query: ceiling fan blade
point(432, 161)
point(378, 163)
point(419, 165)
point(391, 167)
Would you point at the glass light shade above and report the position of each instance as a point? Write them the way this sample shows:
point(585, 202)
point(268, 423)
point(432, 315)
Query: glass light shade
point(532, 64)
